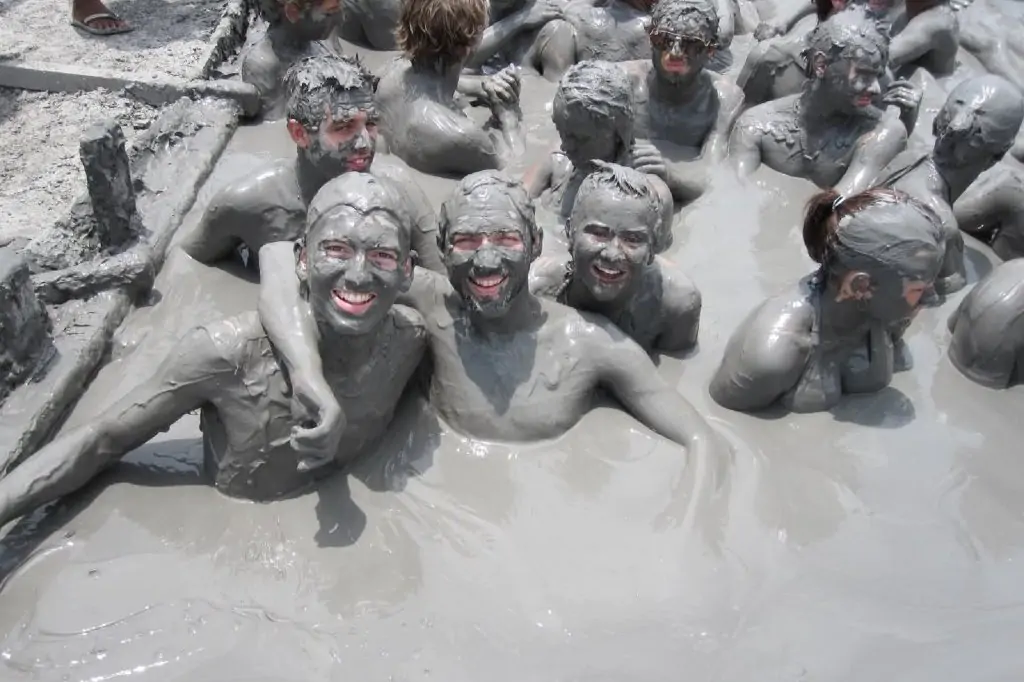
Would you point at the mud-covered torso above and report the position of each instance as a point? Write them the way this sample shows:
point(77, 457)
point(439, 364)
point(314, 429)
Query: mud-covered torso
point(614, 33)
point(247, 423)
point(269, 207)
point(685, 123)
point(565, 183)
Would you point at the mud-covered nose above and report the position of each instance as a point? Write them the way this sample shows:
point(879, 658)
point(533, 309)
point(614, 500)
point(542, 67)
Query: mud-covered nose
point(487, 260)
point(357, 274)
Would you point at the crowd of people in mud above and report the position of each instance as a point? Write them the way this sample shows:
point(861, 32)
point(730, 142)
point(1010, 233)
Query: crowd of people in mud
point(365, 290)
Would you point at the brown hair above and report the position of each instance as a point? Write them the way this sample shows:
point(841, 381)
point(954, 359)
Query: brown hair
point(824, 209)
point(444, 30)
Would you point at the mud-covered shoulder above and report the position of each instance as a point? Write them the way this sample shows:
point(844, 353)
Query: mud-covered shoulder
point(547, 276)
point(408, 322)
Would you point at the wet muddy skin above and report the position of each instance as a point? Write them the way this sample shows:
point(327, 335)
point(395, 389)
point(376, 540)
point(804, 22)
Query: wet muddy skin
point(879, 541)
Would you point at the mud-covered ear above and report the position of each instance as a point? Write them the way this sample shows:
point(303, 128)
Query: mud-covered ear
point(298, 133)
point(536, 243)
point(818, 64)
point(301, 264)
point(856, 286)
point(408, 270)
point(292, 12)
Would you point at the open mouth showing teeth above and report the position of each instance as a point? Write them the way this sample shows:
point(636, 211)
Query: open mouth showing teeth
point(674, 64)
point(608, 275)
point(487, 287)
point(353, 302)
point(864, 100)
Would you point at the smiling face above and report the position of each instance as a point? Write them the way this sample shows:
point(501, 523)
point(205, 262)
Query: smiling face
point(683, 34)
point(854, 84)
point(488, 251)
point(347, 137)
point(611, 243)
point(978, 123)
point(585, 136)
point(355, 266)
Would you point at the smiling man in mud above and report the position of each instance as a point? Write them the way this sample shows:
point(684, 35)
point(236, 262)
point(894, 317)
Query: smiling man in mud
point(333, 121)
point(508, 365)
point(355, 262)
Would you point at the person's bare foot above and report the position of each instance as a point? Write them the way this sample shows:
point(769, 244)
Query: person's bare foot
point(96, 18)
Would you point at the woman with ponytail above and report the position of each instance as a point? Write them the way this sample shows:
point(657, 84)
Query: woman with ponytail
point(878, 252)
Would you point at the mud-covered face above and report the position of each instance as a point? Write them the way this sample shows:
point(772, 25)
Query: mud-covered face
point(889, 293)
point(355, 267)
point(585, 136)
point(347, 137)
point(677, 52)
point(488, 253)
point(611, 246)
point(972, 129)
point(854, 84)
point(314, 22)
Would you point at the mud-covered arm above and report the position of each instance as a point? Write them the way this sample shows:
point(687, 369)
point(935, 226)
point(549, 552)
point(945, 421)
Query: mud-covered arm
point(989, 199)
point(918, 37)
point(871, 368)
point(538, 178)
point(681, 308)
point(763, 360)
point(181, 383)
point(448, 142)
point(872, 153)
point(498, 34)
point(627, 371)
point(745, 146)
point(726, 23)
point(219, 230)
point(730, 102)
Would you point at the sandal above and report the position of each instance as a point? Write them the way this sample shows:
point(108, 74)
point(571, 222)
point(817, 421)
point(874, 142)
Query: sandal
point(84, 24)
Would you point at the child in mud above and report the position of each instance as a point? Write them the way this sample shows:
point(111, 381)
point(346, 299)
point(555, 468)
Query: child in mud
point(879, 251)
point(612, 268)
point(293, 29)
point(416, 95)
point(832, 133)
point(593, 113)
point(508, 365)
point(333, 121)
point(676, 97)
point(355, 262)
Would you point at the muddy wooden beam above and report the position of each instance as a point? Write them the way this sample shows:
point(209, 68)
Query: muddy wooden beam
point(155, 89)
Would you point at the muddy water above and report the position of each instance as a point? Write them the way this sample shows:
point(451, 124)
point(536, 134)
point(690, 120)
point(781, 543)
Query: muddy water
point(882, 541)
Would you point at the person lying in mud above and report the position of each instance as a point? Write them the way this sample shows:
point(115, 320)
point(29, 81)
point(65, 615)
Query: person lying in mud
point(294, 28)
point(973, 130)
point(832, 133)
point(515, 25)
point(992, 209)
point(355, 262)
point(416, 95)
point(778, 67)
point(612, 269)
point(987, 345)
point(507, 365)
point(332, 119)
point(676, 97)
point(879, 252)
point(927, 36)
point(594, 115)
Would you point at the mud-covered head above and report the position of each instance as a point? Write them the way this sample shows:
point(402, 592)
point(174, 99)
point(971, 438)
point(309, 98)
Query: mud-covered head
point(442, 32)
point(614, 230)
point(978, 123)
point(880, 249)
point(684, 36)
point(309, 19)
point(331, 113)
point(875, 9)
point(847, 55)
point(593, 112)
point(488, 236)
point(355, 257)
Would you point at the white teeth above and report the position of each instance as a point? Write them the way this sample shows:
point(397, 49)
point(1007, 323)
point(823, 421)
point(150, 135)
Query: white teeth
point(488, 282)
point(355, 297)
point(606, 271)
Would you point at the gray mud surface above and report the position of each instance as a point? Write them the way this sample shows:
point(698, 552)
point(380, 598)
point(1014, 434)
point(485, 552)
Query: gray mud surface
point(170, 37)
point(40, 169)
point(881, 541)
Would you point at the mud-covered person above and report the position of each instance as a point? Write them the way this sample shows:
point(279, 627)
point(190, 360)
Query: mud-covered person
point(508, 365)
point(974, 130)
point(293, 29)
point(514, 28)
point(332, 118)
point(355, 262)
point(612, 268)
point(926, 36)
point(878, 253)
point(832, 133)
point(416, 95)
point(677, 98)
point(594, 115)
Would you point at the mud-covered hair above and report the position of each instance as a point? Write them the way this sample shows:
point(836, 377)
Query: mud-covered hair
point(850, 34)
point(630, 183)
point(473, 191)
point(693, 19)
point(880, 224)
point(272, 11)
point(604, 91)
point(440, 30)
point(312, 85)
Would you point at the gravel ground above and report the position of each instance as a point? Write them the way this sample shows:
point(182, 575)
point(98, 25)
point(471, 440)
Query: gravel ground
point(170, 36)
point(40, 171)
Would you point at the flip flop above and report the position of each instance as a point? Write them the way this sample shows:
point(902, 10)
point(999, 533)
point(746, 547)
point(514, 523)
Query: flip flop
point(113, 30)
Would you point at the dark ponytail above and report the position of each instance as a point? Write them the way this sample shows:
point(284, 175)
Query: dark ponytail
point(819, 228)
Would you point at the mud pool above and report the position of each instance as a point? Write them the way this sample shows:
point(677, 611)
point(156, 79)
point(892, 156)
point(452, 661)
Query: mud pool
point(881, 541)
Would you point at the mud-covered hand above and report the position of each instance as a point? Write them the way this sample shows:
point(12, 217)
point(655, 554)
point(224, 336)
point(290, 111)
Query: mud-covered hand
point(647, 159)
point(318, 423)
point(903, 94)
point(502, 89)
point(543, 11)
